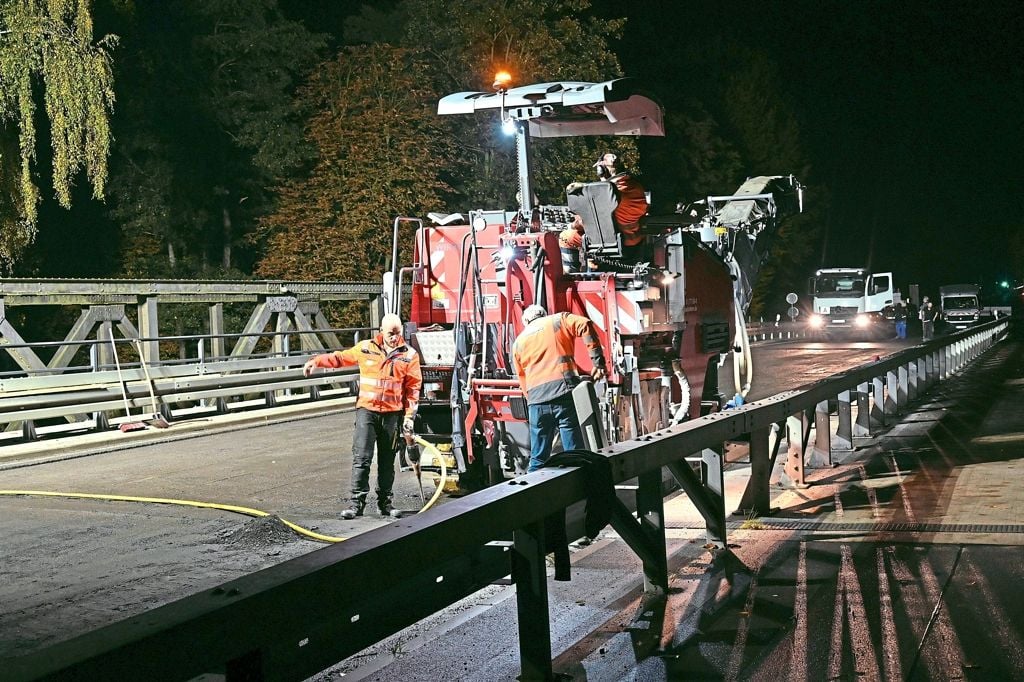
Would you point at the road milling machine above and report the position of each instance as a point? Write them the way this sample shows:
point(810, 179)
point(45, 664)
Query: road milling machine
point(666, 321)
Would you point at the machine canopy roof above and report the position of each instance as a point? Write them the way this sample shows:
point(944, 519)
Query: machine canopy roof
point(569, 108)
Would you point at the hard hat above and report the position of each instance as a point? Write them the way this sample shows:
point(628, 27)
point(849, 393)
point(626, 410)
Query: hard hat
point(533, 312)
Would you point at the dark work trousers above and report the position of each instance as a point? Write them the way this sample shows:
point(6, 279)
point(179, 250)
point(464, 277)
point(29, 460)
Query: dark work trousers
point(380, 430)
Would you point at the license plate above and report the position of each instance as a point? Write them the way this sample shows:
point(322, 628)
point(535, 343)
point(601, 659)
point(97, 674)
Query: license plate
point(838, 321)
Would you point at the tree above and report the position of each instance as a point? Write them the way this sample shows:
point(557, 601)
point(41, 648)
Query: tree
point(536, 41)
point(47, 50)
point(380, 146)
point(209, 122)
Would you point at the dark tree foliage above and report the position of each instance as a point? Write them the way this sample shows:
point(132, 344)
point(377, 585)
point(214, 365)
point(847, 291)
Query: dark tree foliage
point(209, 120)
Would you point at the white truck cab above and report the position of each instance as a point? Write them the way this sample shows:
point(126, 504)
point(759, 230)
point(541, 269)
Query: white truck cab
point(850, 301)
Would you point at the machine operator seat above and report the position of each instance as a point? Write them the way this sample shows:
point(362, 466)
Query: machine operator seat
point(595, 202)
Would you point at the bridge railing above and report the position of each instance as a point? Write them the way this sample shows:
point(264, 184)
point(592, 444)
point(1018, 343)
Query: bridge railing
point(103, 396)
point(113, 361)
point(292, 620)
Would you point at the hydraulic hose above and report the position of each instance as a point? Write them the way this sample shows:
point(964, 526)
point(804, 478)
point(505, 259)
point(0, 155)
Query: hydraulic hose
point(743, 359)
point(181, 503)
point(444, 473)
point(247, 511)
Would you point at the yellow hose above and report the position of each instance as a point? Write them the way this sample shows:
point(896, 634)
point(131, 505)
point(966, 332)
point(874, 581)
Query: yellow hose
point(229, 507)
point(444, 473)
point(182, 503)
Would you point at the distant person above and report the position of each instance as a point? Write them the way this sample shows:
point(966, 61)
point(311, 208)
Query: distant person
point(928, 314)
point(389, 393)
point(900, 316)
point(543, 359)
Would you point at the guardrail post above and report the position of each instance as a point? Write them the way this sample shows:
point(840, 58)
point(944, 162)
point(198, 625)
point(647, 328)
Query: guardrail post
point(891, 406)
point(943, 358)
point(902, 388)
point(650, 510)
point(756, 500)
point(844, 426)
point(712, 468)
point(821, 451)
point(529, 572)
point(862, 427)
point(923, 375)
point(913, 377)
point(878, 414)
point(798, 430)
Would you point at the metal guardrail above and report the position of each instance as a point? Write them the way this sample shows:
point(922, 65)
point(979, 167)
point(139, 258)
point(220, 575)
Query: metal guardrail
point(111, 395)
point(289, 621)
point(776, 331)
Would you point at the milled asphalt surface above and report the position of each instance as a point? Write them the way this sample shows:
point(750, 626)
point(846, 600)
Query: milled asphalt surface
point(901, 562)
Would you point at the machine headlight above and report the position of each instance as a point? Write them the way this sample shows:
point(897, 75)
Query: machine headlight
point(816, 321)
point(862, 321)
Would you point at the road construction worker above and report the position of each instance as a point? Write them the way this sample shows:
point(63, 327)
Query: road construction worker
point(543, 359)
point(929, 315)
point(632, 207)
point(389, 393)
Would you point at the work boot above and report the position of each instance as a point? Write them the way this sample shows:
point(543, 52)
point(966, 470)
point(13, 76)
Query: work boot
point(355, 508)
point(386, 509)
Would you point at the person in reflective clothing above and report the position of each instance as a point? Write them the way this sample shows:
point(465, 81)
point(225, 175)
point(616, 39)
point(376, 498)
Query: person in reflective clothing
point(389, 393)
point(543, 359)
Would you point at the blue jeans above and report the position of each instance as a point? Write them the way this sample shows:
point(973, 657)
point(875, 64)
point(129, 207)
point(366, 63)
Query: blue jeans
point(901, 329)
point(545, 418)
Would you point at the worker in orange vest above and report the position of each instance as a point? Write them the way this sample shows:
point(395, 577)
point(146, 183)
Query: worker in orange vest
point(389, 393)
point(543, 359)
point(630, 211)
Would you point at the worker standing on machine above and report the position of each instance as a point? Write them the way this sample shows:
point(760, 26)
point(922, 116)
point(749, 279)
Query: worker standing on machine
point(389, 393)
point(543, 358)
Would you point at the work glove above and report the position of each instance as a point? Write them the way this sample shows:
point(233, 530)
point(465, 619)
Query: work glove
point(307, 369)
point(597, 374)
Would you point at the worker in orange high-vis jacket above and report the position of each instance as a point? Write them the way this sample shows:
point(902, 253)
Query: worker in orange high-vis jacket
point(543, 358)
point(389, 393)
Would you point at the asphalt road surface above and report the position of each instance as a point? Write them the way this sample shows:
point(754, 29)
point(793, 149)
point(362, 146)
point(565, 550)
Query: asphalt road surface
point(71, 565)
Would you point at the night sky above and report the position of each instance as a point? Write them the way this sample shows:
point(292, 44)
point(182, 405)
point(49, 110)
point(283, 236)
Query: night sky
point(910, 111)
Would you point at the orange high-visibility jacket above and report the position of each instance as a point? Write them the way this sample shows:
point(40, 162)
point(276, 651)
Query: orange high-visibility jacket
point(632, 207)
point(543, 355)
point(388, 382)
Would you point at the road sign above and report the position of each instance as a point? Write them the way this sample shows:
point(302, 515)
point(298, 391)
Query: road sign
point(793, 312)
point(791, 298)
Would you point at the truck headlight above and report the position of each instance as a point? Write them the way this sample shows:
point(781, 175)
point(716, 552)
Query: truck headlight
point(862, 321)
point(816, 321)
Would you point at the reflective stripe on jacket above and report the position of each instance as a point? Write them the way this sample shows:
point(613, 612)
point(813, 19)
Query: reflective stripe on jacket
point(543, 355)
point(388, 382)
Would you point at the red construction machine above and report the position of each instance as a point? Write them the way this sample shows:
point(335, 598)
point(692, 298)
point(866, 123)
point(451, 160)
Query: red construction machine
point(667, 319)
